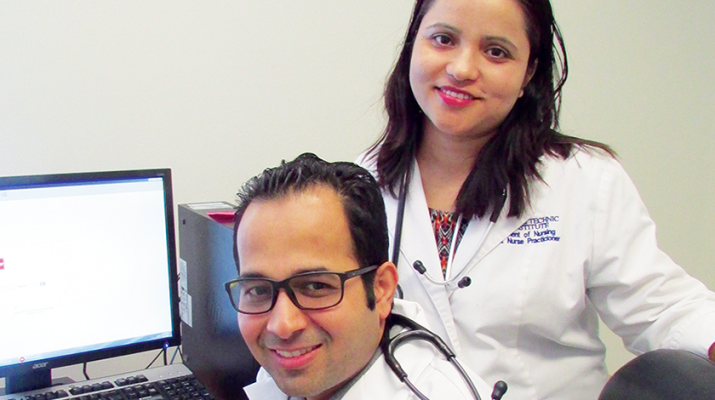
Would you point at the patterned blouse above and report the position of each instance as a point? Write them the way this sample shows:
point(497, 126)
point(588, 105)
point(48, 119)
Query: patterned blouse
point(443, 223)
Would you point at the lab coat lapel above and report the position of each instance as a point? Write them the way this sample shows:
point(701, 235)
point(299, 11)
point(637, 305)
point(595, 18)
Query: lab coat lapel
point(418, 243)
point(505, 225)
point(501, 230)
point(417, 232)
point(469, 253)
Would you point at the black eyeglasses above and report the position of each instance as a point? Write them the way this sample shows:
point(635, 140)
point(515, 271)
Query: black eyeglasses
point(308, 291)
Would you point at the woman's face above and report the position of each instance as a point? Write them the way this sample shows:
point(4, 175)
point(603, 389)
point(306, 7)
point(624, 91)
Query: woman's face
point(470, 64)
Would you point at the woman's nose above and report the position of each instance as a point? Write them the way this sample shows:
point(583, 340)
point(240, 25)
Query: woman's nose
point(464, 66)
point(286, 318)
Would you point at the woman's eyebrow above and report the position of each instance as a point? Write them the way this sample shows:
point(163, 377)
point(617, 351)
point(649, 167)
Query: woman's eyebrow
point(501, 39)
point(493, 38)
point(444, 25)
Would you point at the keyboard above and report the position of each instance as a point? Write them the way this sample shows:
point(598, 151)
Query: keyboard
point(170, 382)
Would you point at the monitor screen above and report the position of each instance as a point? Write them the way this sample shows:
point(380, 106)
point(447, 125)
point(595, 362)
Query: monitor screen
point(87, 270)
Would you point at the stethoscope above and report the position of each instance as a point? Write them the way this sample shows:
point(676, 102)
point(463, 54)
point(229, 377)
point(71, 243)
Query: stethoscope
point(417, 332)
point(460, 279)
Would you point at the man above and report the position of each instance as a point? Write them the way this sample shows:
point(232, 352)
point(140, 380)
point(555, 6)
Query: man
point(305, 231)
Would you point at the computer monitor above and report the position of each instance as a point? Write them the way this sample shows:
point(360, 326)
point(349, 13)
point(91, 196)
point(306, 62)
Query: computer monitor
point(87, 270)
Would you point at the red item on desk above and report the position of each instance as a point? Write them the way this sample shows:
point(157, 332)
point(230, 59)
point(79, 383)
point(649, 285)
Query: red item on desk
point(222, 216)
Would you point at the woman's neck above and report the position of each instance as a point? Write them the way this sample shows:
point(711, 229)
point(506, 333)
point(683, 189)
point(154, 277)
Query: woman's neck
point(445, 161)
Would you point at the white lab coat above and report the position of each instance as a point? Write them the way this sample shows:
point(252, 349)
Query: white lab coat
point(424, 365)
point(587, 246)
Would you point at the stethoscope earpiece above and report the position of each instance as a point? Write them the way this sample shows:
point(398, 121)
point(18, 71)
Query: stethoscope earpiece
point(461, 284)
point(499, 390)
point(419, 267)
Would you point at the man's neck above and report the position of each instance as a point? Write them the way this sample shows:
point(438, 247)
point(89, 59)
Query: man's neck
point(340, 393)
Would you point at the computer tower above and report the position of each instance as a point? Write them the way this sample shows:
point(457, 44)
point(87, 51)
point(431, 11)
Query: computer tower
point(211, 343)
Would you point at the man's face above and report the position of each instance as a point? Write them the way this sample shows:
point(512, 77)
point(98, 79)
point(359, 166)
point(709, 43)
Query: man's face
point(308, 353)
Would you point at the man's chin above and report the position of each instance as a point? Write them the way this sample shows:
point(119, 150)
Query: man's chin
point(302, 387)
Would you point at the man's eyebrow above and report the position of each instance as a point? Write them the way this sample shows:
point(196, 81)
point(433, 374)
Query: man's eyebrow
point(311, 269)
point(299, 271)
point(251, 275)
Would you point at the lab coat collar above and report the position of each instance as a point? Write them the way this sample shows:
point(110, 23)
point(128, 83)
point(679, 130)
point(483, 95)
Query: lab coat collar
point(264, 388)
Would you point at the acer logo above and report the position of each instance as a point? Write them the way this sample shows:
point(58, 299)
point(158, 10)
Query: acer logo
point(39, 365)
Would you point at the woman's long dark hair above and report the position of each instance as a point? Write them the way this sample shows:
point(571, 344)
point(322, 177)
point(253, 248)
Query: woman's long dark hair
point(509, 160)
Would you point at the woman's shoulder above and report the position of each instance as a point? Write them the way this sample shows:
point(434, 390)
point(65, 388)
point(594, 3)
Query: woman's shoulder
point(582, 160)
point(585, 169)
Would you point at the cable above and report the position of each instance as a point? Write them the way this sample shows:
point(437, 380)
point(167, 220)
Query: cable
point(84, 371)
point(154, 360)
point(174, 356)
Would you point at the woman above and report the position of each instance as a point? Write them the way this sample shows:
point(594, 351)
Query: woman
point(550, 232)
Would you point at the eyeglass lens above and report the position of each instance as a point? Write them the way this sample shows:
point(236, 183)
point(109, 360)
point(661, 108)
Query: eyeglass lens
point(310, 292)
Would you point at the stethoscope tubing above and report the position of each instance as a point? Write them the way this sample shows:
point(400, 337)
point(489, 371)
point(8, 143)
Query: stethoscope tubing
point(402, 199)
point(418, 332)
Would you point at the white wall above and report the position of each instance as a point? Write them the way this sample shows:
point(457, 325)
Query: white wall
point(219, 90)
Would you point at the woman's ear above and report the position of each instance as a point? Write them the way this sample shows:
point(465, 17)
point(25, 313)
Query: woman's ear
point(384, 287)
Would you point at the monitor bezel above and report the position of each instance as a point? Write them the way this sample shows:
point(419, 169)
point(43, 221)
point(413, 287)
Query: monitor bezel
point(42, 367)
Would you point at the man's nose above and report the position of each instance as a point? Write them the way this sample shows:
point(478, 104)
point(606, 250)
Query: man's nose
point(286, 318)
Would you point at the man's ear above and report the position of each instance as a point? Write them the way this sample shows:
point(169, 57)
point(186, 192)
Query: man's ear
point(384, 286)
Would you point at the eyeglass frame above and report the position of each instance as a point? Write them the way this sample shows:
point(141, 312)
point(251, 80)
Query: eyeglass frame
point(277, 285)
